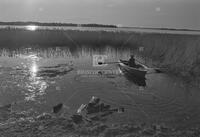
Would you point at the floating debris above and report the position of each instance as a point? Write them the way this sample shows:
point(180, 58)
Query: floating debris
point(57, 108)
point(96, 110)
point(81, 108)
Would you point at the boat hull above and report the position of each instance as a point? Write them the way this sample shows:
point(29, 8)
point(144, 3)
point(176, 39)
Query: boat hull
point(136, 72)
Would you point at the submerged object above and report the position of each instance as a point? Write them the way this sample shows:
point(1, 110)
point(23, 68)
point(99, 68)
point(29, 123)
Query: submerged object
point(57, 108)
point(5, 111)
point(121, 110)
point(94, 110)
point(95, 106)
point(6, 108)
point(139, 72)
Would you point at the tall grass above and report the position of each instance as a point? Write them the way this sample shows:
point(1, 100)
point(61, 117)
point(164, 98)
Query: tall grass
point(15, 38)
point(179, 53)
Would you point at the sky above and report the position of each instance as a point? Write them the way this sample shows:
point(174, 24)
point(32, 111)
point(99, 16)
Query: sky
point(132, 13)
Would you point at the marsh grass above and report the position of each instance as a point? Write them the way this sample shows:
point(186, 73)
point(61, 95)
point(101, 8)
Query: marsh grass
point(180, 54)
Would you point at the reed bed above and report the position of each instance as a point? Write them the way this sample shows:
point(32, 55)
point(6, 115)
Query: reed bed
point(178, 53)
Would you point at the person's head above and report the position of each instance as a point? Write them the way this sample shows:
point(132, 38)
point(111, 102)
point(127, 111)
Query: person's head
point(132, 56)
point(94, 100)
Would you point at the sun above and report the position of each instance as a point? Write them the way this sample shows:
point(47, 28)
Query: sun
point(32, 27)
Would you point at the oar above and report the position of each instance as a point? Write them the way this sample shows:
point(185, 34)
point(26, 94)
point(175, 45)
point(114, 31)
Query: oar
point(157, 70)
point(101, 63)
point(154, 70)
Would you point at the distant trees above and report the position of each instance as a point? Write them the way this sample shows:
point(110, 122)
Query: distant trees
point(56, 24)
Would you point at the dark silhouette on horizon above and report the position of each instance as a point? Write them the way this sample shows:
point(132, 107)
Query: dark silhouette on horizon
point(19, 23)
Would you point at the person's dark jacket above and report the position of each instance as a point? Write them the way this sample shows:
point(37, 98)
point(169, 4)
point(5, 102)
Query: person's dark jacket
point(132, 63)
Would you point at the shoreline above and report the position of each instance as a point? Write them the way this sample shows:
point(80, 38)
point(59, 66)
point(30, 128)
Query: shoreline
point(52, 126)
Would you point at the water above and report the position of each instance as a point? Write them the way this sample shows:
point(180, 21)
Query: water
point(41, 78)
point(122, 29)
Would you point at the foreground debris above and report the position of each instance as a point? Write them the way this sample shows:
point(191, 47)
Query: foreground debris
point(47, 125)
point(85, 123)
point(96, 110)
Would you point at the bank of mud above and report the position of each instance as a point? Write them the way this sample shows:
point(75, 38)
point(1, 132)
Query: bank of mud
point(94, 120)
point(47, 125)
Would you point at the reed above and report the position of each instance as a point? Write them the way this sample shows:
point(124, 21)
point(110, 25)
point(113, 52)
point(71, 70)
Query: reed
point(178, 53)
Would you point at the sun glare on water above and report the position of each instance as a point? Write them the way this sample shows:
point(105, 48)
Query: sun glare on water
point(34, 68)
point(31, 27)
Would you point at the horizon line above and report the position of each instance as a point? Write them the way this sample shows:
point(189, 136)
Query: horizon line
point(40, 23)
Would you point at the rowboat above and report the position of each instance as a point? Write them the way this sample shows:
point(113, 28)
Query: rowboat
point(139, 72)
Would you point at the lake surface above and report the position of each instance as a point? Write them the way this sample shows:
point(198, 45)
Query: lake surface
point(120, 29)
point(41, 78)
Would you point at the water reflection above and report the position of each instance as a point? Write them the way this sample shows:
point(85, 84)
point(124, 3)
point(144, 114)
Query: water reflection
point(35, 75)
point(138, 81)
point(35, 85)
point(32, 27)
point(34, 68)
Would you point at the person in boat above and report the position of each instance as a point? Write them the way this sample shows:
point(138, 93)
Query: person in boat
point(131, 62)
